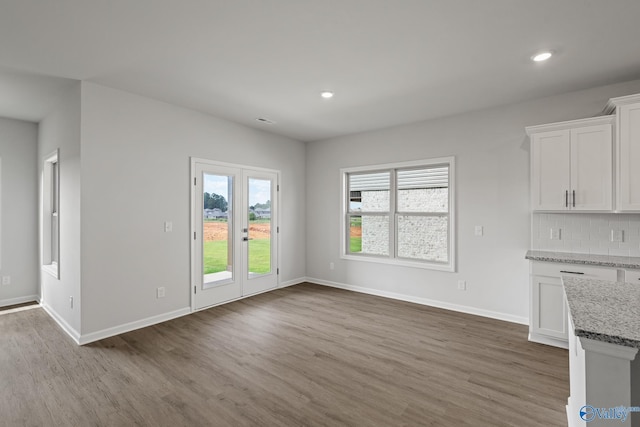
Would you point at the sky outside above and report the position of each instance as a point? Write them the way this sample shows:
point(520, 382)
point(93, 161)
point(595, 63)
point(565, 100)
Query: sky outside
point(259, 189)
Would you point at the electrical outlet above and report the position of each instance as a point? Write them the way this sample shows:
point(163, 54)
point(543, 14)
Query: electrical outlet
point(6, 280)
point(617, 235)
point(160, 292)
point(555, 234)
point(462, 285)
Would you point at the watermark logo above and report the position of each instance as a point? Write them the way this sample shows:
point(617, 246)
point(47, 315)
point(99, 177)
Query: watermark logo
point(589, 413)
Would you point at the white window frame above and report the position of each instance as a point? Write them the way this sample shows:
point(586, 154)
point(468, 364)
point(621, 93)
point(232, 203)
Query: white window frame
point(392, 259)
point(51, 209)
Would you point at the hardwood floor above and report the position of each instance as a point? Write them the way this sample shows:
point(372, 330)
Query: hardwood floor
point(17, 306)
point(301, 356)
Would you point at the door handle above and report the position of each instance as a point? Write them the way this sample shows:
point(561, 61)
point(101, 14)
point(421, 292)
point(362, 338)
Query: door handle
point(574, 198)
point(566, 198)
point(246, 239)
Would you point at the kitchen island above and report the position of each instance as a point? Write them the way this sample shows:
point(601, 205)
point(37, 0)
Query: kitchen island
point(604, 339)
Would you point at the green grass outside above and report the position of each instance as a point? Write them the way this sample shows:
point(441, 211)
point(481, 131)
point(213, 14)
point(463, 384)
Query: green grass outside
point(215, 256)
point(355, 244)
point(260, 256)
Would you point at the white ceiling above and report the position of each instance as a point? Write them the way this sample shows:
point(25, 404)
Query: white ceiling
point(389, 61)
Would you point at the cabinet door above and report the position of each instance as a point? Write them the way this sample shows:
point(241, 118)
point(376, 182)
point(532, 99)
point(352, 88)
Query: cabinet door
point(591, 168)
point(549, 309)
point(550, 174)
point(629, 157)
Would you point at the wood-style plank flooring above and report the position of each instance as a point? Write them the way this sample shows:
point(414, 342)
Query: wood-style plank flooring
point(301, 356)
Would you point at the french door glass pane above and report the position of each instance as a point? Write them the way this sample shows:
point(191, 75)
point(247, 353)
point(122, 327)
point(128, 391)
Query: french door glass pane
point(423, 237)
point(259, 232)
point(217, 224)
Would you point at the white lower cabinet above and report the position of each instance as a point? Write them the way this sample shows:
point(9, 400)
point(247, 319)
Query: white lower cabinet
point(548, 323)
point(548, 308)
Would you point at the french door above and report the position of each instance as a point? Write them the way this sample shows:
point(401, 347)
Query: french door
point(234, 232)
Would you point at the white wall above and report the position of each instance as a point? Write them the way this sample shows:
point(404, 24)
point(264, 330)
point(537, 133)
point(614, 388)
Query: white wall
point(492, 190)
point(135, 176)
point(18, 211)
point(61, 130)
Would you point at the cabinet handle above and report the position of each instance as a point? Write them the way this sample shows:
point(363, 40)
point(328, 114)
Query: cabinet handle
point(571, 272)
point(566, 198)
point(574, 198)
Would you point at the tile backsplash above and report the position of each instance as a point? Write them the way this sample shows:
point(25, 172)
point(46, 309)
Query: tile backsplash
point(586, 233)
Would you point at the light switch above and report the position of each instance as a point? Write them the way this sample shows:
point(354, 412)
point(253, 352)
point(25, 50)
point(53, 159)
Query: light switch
point(168, 226)
point(479, 230)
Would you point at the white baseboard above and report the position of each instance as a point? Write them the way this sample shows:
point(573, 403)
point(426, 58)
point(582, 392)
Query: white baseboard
point(143, 323)
point(131, 326)
point(19, 300)
point(424, 301)
point(554, 342)
point(292, 282)
point(75, 335)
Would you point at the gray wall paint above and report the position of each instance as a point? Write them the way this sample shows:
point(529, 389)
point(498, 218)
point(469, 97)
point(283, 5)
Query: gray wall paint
point(135, 176)
point(61, 130)
point(492, 173)
point(18, 210)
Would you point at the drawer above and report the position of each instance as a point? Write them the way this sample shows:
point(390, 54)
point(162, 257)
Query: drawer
point(553, 269)
point(632, 276)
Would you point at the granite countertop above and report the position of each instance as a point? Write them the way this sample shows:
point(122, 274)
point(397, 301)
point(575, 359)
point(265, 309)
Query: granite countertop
point(604, 310)
point(585, 259)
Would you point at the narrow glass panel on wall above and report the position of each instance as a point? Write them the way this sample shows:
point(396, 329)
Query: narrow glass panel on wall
point(55, 202)
point(260, 226)
point(217, 230)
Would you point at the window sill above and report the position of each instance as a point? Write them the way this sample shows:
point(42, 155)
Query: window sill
point(52, 269)
point(401, 262)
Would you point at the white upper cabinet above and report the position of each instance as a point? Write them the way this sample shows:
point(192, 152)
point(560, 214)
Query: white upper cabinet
point(572, 165)
point(628, 149)
point(592, 168)
point(550, 170)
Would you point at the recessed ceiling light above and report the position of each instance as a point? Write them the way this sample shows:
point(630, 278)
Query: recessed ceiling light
point(326, 94)
point(265, 121)
point(542, 56)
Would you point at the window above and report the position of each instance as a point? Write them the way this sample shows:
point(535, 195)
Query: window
point(51, 215)
point(401, 213)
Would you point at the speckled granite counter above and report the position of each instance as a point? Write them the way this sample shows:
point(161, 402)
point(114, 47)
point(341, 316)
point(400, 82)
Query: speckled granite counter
point(606, 311)
point(585, 259)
